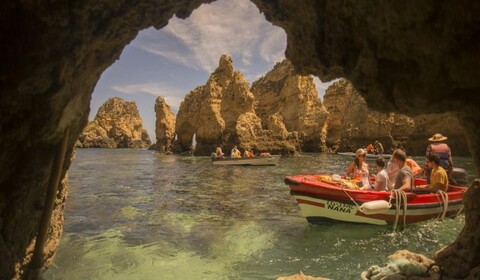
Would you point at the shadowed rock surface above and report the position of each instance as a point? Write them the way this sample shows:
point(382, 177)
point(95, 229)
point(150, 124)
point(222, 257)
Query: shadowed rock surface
point(288, 105)
point(164, 126)
point(351, 125)
point(408, 57)
point(117, 124)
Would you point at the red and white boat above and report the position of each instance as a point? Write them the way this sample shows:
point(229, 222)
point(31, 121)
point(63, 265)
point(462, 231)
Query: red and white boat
point(322, 198)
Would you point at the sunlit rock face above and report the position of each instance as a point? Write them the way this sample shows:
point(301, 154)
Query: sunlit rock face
point(164, 125)
point(351, 125)
point(287, 100)
point(117, 124)
point(409, 57)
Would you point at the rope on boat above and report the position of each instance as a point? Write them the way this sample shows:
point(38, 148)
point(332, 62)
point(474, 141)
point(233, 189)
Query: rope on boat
point(400, 197)
point(358, 206)
point(443, 197)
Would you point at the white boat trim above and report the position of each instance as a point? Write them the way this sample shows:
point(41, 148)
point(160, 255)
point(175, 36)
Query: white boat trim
point(254, 161)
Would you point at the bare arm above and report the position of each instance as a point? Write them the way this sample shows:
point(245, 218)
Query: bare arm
point(406, 184)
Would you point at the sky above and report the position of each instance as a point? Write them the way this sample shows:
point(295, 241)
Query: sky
point(176, 59)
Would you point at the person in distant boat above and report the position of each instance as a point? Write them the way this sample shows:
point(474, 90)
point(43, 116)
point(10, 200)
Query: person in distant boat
point(358, 169)
point(438, 178)
point(441, 149)
point(235, 153)
point(219, 153)
point(404, 179)
point(416, 169)
point(369, 148)
point(378, 147)
point(381, 180)
point(248, 153)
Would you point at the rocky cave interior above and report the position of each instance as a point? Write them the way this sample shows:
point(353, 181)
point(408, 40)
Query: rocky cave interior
point(406, 57)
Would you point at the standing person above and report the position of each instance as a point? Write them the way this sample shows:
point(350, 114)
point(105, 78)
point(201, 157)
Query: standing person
point(358, 169)
point(441, 149)
point(404, 179)
point(438, 178)
point(370, 149)
point(378, 147)
point(381, 180)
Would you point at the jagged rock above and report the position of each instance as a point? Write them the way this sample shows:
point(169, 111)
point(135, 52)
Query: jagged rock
point(116, 125)
point(416, 57)
point(221, 113)
point(283, 96)
point(351, 124)
point(164, 126)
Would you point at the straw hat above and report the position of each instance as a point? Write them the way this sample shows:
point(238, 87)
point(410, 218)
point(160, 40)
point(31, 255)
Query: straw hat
point(360, 152)
point(437, 137)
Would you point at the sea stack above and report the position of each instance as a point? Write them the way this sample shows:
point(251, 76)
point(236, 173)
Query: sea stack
point(116, 125)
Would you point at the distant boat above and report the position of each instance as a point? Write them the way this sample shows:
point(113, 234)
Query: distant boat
point(255, 161)
point(370, 156)
point(326, 198)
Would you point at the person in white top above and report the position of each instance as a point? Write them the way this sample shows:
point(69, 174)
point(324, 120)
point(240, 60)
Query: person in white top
point(382, 180)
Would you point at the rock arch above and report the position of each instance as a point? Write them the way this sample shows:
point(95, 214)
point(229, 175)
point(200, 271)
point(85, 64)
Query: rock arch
point(407, 57)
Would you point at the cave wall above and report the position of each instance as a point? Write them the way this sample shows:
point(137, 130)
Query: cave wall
point(408, 57)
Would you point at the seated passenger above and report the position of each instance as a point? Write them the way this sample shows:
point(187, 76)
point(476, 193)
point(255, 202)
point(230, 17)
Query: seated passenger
point(358, 169)
point(381, 180)
point(438, 178)
point(235, 153)
point(248, 153)
point(219, 153)
point(404, 179)
point(416, 169)
point(378, 148)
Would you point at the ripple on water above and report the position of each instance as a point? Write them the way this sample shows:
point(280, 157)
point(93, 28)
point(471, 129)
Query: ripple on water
point(138, 215)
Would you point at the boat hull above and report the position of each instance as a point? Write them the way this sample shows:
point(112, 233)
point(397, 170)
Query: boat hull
point(369, 156)
point(253, 161)
point(320, 202)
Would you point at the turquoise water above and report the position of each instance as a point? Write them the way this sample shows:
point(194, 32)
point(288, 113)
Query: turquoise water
point(135, 214)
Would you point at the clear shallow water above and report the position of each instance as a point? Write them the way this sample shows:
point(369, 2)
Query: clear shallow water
point(135, 214)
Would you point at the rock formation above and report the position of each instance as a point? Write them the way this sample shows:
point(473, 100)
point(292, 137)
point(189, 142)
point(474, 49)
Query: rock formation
point(407, 57)
point(288, 103)
point(116, 125)
point(164, 126)
point(351, 124)
point(221, 113)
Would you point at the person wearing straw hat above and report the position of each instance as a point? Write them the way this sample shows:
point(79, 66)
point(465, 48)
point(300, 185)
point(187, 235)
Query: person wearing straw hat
point(441, 149)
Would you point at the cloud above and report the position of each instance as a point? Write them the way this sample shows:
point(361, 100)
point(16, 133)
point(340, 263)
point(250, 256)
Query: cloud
point(170, 94)
point(233, 27)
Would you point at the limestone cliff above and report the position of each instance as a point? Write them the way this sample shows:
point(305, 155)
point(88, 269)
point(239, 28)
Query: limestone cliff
point(288, 103)
point(351, 124)
point(116, 125)
point(164, 125)
point(225, 112)
point(416, 57)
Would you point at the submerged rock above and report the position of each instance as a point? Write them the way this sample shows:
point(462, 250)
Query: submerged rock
point(301, 276)
point(404, 264)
